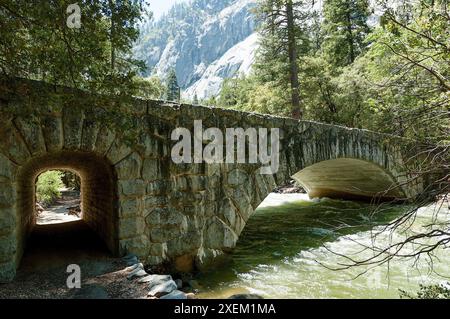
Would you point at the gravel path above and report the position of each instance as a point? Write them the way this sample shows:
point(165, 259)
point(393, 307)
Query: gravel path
point(58, 212)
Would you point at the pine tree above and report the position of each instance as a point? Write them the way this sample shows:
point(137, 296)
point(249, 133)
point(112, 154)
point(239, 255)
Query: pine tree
point(345, 29)
point(195, 100)
point(283, 40)
point(173, 89)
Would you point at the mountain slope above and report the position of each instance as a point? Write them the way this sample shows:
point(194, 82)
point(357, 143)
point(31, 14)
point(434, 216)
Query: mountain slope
point(204, 40)
point(237, 60)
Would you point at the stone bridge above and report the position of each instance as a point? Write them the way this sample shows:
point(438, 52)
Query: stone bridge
point(139, 201)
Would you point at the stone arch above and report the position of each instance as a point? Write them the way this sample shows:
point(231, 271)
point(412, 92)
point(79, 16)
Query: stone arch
point(98, 194)
point(17, 198)
point(58, 140)
point(245, 189)
point(348, 178)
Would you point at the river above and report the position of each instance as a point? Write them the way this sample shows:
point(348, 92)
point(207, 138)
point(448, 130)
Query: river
point(281, 252)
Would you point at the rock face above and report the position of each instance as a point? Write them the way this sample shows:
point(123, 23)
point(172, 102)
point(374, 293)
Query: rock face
point(205, 41)
point(139, 201)
point(236, 61)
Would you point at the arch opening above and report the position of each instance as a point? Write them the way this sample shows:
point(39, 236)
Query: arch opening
point(58, 197)
point(348, 178)
point(97, 197)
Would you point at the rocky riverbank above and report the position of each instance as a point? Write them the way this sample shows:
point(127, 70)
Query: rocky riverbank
point(291, 188)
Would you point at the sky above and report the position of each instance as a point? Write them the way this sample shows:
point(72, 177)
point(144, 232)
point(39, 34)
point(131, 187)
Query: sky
point(159, 7)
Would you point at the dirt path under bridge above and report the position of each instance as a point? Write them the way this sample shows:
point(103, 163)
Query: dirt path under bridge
point(51, 248)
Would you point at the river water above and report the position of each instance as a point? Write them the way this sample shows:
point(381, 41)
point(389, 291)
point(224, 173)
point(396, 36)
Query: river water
point(289, 244)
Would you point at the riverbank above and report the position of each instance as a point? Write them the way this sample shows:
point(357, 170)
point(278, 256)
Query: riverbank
point(291, 188)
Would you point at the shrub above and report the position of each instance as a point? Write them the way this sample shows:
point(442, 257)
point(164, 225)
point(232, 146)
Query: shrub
point(48, 186)
point(429, 292)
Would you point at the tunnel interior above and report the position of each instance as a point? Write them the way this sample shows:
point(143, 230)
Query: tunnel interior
point(347, 178)
point(98, 203)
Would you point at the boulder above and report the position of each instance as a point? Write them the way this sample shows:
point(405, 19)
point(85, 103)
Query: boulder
point(154, 278)
point(138, 273)
point(162, 289)
point(131, 260)
point(134, 267)
point(175, 295)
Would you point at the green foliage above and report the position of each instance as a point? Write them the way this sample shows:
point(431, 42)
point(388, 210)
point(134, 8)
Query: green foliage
point(248, 94)
point(195, 100)
point(173, 89)
point(71, 180)
point(428, 292)
point(37, 43)
point(345, 29)
point(48, 187)
point(391, 79)
point(283, 39)
point(150, 88)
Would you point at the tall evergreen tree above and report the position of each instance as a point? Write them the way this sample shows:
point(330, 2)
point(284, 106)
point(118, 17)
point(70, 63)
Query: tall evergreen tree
point(173, 89)
point(345, 29)
point(283, 40)
point(195, 100)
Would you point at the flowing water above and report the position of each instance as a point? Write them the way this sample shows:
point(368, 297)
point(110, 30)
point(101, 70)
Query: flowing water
point(290, 243)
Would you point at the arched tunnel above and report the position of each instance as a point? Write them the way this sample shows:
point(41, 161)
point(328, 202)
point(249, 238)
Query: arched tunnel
point(348, 178)
point(98, 195)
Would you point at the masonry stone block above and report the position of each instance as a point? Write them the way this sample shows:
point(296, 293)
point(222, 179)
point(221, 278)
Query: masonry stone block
point(152, 170)
point(8, 247)
point(132, 187)
point(7, 194)
point(138, 245)
point(7, 271)
point(7, 168)
point(130, 208)
point(105, 138)
point(72, 127)
point(30, 129)
point(155, 201)
point(158, 187)
point(219, 236)
point(52, 128)
point(118, 151)
point(7, 220)
point(12, 144)
point(130, 167)
point(131, 227)
point(158, 249)
point(91, 129)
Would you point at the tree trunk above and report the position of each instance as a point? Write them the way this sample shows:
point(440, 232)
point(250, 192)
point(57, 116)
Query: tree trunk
point(297, 112)
point(350, 36)
point(112, 36)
